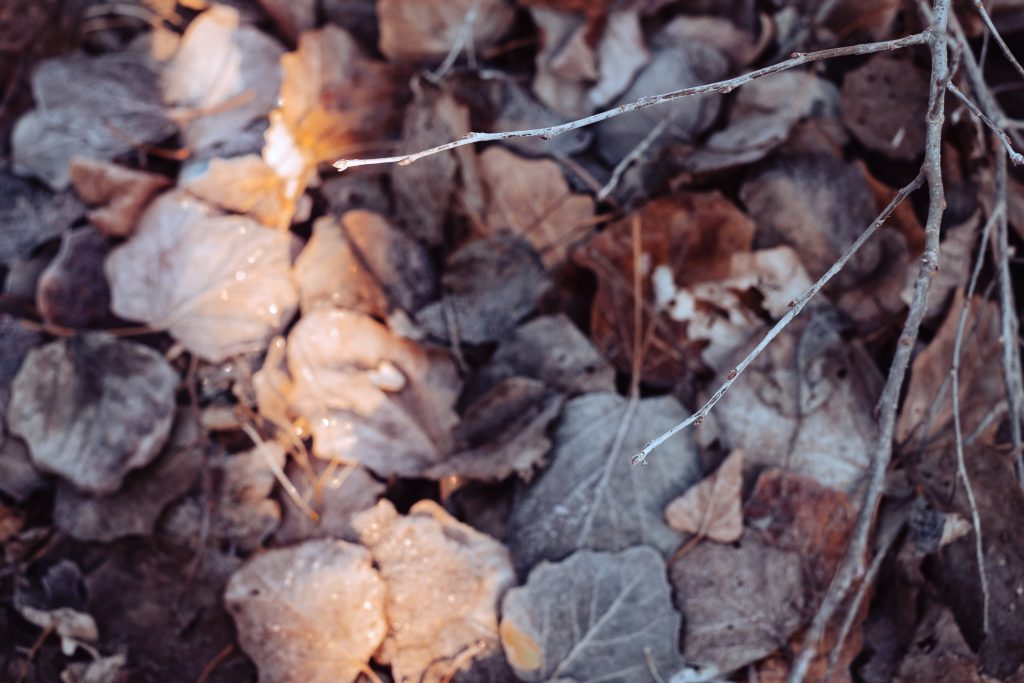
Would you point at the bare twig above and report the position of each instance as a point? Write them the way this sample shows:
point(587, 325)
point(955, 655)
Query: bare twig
point(998, 38)
point(796, 306)
point(279, 474)
point(852, 564)
point(631, 158)
point(1016, 157)
point(461, 38)
point(726, 86)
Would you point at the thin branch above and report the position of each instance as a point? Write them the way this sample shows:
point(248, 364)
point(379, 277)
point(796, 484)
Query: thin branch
point(998, 38)
point(1016, 157)
point(633, 156)
point(726, 86)
point(796, 306)
point(461, 38)
point(852, 564)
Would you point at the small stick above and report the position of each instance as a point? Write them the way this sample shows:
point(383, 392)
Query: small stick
point(464, 34)
point(726, 86)
point(1016, 157)
point(998, 38)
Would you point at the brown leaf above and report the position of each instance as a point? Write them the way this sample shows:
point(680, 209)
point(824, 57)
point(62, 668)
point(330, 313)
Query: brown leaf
point(592, 617)
point(245, 516)
point(488, 287)
point(378, 399)
point(92, 408)
point(880, 99)
point(224, 75)
point(321, 597)
point(134, 509)
point(337, 496)
point(427, 29)
point(444, 580)
point(116, 195)
point(72, 290)
point(532, 199)
point(291, 16)
point(221, 285)
point(246, 185)
point(712, 508)
point(18, 478)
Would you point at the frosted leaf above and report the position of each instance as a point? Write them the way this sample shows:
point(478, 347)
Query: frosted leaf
point(221, 285)
point(427, 29)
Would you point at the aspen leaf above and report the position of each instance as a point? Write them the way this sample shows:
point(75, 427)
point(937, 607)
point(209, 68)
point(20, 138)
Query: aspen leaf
point(712, 508)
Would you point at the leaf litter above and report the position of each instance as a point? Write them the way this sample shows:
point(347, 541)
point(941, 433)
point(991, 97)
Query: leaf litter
point(261, 421)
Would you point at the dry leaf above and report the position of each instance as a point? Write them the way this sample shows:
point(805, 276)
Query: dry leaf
point(531, 199)
point(292, 16)
point(806, 405)
point(100, 107)
point(337, 496)
point(18, 478)
point(69, 624)
point(134, 509)
point(72, 291)
point(939, 652)
point(377, 399)
point(488, 287)
point(16, 340)
point(221, 285)
point(592, 617)
point(224, 76)
point(92, 408)
point(362, 263)
point(591, 496)
point(427, 29)
point(30, 216)
point(103, 670)
point(712, 508)
point(312, 613)
point(444, 580)
point(551, 349)
point(881, 103)
point(245, 515)
point(246, 185)
point(116, 195)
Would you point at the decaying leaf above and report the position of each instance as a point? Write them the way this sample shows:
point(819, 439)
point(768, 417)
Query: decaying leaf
point(72, 291)
point(92, 408)
point(503, 433)
point(806, 405)
point(553, 350)
point(221, 285)
point(882, 101)
point(337, 496)
point(116, 195)
point(712, 508)
point(18, 478)
point(111, 669)
point(444, 580)
point(312, 613)
point(427, 29)
point(69, 624)
point(224, 75)
point(16, 340)
point(99, 107)
point(531, 199)
point(134, 509)
point(246, 185)
point(590, 496)
point(292, 16)
point(592, 617)
point(363, 263)
point(30, 215)
point(245, 515)
point(367, 395)
point(488, 286)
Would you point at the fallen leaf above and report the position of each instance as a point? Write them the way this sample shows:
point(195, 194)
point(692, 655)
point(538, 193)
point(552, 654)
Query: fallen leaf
point(245, 185)
point(221, 285)
point(712, 508)
point(551, 349)
point(103, 670)
point(69, 624)
point(30, 216)
point(321, 597)
point(850, 20)
point(134, 509)
point(871, 97)
point(806, 405)
point(291, 16)
point(739, 602)
point(591, 496)
point(926, 417)
point(16, 340)
point(245, 515)
point(488, 286)
point(72, 291)
point(378, 399)
point(337, 496)
point(531, 199)
point(761, 119)
point(592, 617)
point(427, 30)
point(362, 263)
point(100, 107)
point(92, 408)
point(444, 580)
point(116, 195)
point(18, 478)
point(503, 433)
point(224, 76)
point(938, 652)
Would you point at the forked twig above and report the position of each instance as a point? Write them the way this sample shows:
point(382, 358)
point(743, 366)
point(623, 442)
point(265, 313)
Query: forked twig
point(1016, 157)
point(983, 13)
point(726, 86)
